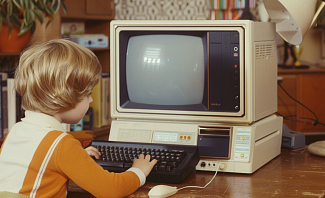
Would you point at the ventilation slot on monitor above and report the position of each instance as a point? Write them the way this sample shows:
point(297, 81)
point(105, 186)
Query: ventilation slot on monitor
point(264, 51)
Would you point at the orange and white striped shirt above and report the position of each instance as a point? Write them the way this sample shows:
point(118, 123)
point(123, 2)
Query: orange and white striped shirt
point(37, 158)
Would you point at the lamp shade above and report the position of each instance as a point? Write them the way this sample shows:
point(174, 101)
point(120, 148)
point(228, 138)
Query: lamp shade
point(293, 18)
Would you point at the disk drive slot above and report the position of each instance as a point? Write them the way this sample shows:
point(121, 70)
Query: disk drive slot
point(214, 142)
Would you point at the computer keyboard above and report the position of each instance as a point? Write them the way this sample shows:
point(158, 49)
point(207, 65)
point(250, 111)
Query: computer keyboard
point(175, 162)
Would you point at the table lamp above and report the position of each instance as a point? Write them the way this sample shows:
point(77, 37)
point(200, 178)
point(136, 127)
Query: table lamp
point(293, 19)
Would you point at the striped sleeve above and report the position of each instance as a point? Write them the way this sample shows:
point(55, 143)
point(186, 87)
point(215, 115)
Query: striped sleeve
point(74, 162)
point(42, 178)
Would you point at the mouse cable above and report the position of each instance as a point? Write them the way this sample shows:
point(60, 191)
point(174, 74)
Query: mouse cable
point(205, 184)
point(316, 118)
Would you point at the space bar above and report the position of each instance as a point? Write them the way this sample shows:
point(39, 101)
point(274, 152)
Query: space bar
point(110, 163)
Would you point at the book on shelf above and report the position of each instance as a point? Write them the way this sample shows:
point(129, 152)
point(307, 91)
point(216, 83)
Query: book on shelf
point(77, 127)
point(88, 120)
point(96, 105)
point(230, 4)
point(1, 111)
point(105, 99)
point(4, 101)
point(11, 98)
point(100, 105)
point(229, 9)
point(4, 105)
point(11, 105)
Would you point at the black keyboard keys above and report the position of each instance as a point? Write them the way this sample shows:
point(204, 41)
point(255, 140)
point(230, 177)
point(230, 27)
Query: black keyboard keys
point(115, 156)
point(174, 162)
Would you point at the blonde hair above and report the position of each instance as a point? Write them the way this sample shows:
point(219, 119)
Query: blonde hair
point(56, 74)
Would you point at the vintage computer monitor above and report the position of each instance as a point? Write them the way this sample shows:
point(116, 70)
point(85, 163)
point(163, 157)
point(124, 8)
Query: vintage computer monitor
point(207, 83)
point(203, 71)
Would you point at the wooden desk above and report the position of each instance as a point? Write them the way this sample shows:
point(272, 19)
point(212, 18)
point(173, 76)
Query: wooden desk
point(291, 174)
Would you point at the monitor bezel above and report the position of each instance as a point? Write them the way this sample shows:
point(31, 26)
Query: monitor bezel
point(119, 112)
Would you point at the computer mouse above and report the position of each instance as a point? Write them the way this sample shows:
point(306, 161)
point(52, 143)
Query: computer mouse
point(162, 191)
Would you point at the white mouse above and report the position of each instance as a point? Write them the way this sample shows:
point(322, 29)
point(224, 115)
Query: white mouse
point(162, 191)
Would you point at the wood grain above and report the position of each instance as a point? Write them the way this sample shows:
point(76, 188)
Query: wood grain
point(291, 174)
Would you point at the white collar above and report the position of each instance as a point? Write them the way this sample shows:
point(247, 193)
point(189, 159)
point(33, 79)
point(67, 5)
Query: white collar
point(42, 119)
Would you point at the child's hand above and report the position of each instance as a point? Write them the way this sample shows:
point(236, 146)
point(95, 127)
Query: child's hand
point(144, 163)
point(93, 152)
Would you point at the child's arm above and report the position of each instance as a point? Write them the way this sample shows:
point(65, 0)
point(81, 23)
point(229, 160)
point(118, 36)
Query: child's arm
point(75, 163)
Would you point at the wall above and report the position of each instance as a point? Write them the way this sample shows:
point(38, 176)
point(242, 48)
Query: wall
point(162, 9)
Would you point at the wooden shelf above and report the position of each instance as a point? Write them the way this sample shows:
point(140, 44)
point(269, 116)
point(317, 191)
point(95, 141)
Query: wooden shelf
point(96, 15)
point(99, 49)
point(310, 70)
point(89, 9)
point(9, 54)
point(101, 133)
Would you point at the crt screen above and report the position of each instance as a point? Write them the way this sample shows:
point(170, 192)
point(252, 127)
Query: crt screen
point(165, 69)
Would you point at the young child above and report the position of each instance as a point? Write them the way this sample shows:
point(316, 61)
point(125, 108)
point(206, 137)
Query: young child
point(37, 158)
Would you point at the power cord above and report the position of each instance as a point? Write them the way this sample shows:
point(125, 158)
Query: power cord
point(205, 184)
point(315, 121)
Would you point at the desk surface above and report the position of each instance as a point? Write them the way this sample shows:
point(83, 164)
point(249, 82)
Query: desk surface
point(291, 174)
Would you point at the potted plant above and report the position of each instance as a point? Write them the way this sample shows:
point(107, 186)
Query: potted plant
point(17, 18)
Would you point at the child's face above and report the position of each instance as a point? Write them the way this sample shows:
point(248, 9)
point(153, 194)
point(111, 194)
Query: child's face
point(74, 115)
